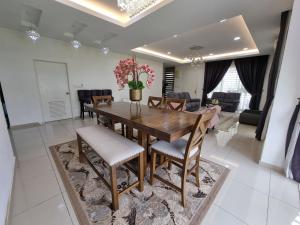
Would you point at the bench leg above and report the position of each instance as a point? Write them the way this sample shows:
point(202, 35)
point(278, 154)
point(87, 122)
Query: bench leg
point(114, 192)
point(79, 141)
point(141, 171)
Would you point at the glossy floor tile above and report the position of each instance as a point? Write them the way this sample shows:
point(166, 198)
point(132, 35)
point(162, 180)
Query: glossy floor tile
point(252, 194)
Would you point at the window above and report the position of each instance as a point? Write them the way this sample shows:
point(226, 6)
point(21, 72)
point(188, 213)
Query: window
point(168, 82)
point(232, 83)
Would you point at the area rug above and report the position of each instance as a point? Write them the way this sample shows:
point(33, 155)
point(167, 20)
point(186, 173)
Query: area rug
point(157, 205)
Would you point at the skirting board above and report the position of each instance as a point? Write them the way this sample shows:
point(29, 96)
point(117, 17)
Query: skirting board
point(270, 166)
point(8, 218)
point(28, 125)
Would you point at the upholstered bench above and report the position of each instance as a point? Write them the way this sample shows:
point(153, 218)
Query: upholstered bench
point(115, 150)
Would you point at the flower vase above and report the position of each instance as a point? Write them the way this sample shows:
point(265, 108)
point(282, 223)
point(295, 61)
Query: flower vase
point(135, 95)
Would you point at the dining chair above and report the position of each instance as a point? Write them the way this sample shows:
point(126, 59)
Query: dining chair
point(181, 153)
point(155, 102)
point(175, 104)
point(105, 99)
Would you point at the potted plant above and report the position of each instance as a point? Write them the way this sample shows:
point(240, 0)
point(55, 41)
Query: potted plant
point(128, 71)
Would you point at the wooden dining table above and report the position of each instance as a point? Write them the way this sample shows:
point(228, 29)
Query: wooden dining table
point(164, 124)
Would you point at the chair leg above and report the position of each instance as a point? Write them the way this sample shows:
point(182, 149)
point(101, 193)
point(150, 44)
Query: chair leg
point(141, 171)
point(169, 164)
point(123, 129)
point(153, 166)
point(79, 141)
point(114, 192)
point(183, 183)
point(197, 168)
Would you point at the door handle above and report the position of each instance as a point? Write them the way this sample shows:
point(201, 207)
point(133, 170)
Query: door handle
point(67, 93)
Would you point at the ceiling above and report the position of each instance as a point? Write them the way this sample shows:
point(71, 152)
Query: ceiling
point(214, 41)
point(178, 17)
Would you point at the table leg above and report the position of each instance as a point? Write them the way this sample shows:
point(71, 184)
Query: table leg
point(142, 140)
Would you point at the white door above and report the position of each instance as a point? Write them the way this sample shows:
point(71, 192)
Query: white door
point(54, 90)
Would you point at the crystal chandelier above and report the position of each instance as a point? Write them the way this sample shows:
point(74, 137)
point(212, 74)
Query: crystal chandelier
point(196, 61)
point(76, 44)
point(134, 7)
point(105, 50)
point(33, 35)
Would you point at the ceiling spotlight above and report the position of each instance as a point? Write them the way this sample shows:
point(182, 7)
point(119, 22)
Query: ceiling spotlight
point(105, 50)
point(33, 35)
point(175, 36)
point(245, 49)
point(145, 45)
point(211, 54)
point(76, 44)
point(222, 21)
point(169, 53)
point(237, 38)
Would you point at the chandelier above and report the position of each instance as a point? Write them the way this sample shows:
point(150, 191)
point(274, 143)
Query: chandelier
point(134, 7)
point(33, 35)
point(196, 59)
point(76, 44)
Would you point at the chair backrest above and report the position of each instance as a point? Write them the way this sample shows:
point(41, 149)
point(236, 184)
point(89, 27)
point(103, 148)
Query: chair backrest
point(199, 131)
point(102, 99)
point(106, 92)
point(175, 104)
point(84, 96)
point(155, 102)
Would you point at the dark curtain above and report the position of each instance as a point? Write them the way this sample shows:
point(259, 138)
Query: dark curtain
point(291, 127)
point(252, 72)
point(273, 73)
point(214, 72)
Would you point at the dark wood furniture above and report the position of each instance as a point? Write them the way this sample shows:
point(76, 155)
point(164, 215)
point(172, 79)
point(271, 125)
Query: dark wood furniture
point(115, 150)
point(181, 153)
point(161, 123)
point(155, 102)
point(175, 104)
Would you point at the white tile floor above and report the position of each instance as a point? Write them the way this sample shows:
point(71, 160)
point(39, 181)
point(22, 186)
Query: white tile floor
point(251, 195)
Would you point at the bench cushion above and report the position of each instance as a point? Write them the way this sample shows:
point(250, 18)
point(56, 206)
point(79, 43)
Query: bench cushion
point(175, 148)
point(110, 146)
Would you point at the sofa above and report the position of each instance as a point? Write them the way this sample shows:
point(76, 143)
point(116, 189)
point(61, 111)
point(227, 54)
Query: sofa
point(250, 117)
point(229, 101)
point(192, 104)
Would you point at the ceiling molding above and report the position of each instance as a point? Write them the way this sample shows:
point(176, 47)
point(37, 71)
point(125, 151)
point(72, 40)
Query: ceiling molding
point(100, 10)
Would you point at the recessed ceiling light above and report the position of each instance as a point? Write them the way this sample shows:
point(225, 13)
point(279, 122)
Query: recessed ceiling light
point(169, 53)
point(237, 38)
point(223, 20)
point(245, 49)
point(145, 45)
point(175, 35)
point(211, 54)
point(98, 42)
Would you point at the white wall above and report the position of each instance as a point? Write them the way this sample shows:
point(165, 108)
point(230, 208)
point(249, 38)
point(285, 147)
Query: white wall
point(7, 164)
point(286, 94)
point(87, 66)
point(189, 79)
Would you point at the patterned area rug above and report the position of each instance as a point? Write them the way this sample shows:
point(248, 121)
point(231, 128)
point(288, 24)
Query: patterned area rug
point(157, 205)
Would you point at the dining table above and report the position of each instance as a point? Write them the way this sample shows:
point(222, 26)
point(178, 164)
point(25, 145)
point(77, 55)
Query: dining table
point(164, 124)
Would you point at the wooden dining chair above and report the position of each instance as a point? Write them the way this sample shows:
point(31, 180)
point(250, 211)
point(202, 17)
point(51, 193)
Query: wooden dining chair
point(105, 99)
point(181, 153)
point(155, 102)
point(175, 104)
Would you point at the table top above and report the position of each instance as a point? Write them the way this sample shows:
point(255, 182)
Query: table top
point(162, 123)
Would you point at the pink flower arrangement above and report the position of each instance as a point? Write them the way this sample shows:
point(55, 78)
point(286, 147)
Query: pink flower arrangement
point(128, 72)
